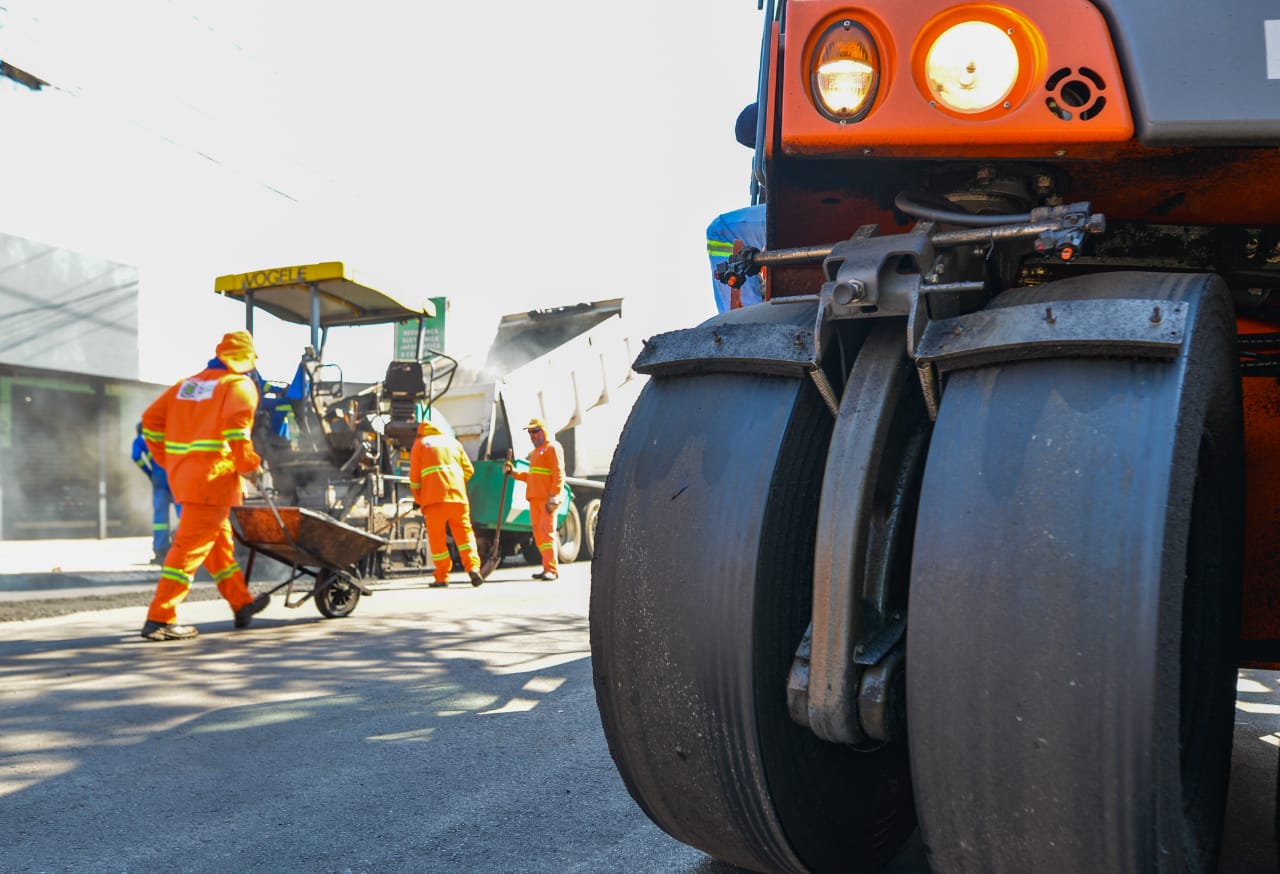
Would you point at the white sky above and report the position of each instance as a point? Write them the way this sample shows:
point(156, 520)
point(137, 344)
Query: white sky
point(506, 155)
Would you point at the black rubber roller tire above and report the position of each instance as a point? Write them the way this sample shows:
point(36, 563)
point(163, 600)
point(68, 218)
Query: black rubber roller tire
point(1074, 603)
point(701, 592)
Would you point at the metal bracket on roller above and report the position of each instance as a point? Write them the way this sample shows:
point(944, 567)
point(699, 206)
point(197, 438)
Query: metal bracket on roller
point(867, 276)
point(870, 275)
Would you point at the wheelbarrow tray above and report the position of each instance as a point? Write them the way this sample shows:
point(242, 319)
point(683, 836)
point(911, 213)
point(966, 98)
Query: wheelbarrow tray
point(307, 538)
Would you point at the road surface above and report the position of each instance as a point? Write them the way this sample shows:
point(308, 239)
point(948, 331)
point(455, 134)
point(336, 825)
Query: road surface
point(432, 730)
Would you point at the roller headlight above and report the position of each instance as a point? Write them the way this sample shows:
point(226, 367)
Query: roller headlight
point(845, 71)
point(971, 67)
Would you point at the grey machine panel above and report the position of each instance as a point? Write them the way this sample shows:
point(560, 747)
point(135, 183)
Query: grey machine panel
point(1200, 72)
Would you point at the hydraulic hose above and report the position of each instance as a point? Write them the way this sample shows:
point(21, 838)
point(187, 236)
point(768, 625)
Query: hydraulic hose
point(945, 216)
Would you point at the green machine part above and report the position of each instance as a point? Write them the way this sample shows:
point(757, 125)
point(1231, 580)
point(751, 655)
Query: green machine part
point(485, 488)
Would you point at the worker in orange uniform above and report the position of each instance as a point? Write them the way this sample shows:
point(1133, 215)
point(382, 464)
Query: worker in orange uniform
point(438, 474)
point(198, 431)
point(544, 485)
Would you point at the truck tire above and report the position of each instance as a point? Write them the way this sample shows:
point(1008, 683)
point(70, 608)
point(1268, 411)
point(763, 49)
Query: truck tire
point(569, 536)
point(529, 551)
point(590, 517)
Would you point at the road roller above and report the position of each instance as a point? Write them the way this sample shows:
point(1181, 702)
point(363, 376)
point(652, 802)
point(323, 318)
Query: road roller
point(965, 529)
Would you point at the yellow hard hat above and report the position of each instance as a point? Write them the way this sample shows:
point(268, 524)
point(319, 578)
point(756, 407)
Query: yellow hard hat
point(535, 424)
point(237, 352)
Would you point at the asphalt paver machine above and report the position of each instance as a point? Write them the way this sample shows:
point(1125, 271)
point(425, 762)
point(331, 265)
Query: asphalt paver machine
point(331, 449)
point(972, 522)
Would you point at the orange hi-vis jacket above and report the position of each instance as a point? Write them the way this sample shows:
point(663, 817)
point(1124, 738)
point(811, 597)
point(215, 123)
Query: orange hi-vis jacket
point(198, 431)
point(439, 470)
point(545, 476)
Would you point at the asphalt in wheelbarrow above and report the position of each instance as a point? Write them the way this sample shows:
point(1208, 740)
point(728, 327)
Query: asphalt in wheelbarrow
point(307, 538)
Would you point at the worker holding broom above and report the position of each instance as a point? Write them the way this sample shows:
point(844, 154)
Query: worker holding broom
point(198, 431)
point(544, 482)
point(438, 474)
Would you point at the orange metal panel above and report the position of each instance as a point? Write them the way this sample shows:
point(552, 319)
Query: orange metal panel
point(771, 110)
point(1261, 619)
point(1059, 35)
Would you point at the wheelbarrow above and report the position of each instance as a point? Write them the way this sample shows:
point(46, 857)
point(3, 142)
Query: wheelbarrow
point(315, 546)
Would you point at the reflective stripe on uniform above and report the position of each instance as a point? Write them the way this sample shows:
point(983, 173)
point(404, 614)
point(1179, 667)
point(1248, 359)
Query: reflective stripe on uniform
point(229, 570)
point(719, 248)
point(176, 574)
point(196, 446)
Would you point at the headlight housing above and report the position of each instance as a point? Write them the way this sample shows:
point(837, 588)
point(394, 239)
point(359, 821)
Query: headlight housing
point(971, 67)
point(844, 71)
point(977, 61)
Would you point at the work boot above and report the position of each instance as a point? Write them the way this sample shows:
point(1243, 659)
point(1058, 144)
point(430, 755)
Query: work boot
point(245, 614)
point(152, 630)
point(547, 576)
point(440, 584)
point(476, 579)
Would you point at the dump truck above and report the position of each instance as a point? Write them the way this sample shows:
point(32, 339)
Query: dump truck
point(571, 367)
point(970, 524)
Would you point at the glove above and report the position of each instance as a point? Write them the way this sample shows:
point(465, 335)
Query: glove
point(552, 503)
point(508, 468)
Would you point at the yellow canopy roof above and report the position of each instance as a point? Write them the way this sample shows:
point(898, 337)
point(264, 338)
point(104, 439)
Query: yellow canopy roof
point(285, 292)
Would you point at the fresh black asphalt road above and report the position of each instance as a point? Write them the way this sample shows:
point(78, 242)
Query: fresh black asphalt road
point(432, 730)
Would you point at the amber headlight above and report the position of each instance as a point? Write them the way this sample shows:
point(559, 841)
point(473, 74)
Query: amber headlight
point(971, 67)
point(845, 71)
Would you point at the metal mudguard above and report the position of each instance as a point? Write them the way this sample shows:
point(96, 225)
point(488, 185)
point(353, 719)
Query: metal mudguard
point(1197, 73)
point(779, 338)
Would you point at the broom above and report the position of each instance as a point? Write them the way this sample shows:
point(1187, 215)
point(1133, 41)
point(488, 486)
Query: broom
point(495, 554)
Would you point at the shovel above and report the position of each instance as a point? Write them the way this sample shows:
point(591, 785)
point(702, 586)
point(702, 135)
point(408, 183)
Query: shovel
point(495, 554)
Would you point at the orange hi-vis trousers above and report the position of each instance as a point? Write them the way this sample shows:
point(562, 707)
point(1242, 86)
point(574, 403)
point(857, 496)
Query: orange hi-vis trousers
point(544, 534)
point(457, 516)
point(203, 537)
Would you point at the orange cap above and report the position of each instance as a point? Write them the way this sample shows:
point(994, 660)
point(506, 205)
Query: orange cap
point(535, 424)
point(237, 352)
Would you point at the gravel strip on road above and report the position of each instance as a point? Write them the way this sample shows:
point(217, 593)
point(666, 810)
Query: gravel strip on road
point(44, 608)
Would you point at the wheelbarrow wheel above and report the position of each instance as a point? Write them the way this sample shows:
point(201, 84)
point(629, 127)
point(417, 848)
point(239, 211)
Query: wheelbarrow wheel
point(336, 596)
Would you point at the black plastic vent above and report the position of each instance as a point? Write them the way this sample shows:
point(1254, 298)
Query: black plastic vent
point(1075, 94)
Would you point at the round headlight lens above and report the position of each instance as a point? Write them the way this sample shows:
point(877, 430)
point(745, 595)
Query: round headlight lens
point(846, 71)
point(971, 67)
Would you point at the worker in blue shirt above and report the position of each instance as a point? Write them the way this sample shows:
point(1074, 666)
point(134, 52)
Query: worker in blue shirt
point(161, 498)
point(276, 399)
point(746, 224)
